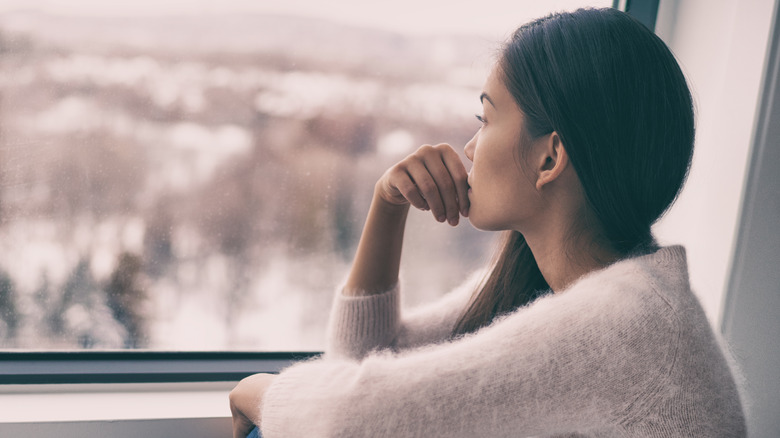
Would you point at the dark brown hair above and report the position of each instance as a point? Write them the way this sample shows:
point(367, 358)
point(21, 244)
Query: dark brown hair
point(617, 98)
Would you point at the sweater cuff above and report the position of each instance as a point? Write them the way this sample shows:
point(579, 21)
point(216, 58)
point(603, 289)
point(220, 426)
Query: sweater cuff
point(360, 324)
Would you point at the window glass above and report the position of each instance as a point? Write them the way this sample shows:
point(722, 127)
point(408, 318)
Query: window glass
point(194, 175)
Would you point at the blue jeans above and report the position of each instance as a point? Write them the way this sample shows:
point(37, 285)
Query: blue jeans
point(255, 433)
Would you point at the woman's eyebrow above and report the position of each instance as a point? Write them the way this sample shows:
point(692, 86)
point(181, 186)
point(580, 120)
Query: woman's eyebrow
point(484, 96)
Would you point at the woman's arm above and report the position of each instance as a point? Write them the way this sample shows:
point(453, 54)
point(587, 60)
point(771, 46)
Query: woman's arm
point(378, 257)
point(366, 312)
point(567, 363)
point(361, 324)
point(245, 401)
point(432, 178)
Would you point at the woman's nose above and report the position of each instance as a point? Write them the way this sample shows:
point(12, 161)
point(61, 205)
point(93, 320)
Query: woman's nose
point(470, 146)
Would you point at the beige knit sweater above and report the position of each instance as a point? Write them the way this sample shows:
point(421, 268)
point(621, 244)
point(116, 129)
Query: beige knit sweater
point(625, 352)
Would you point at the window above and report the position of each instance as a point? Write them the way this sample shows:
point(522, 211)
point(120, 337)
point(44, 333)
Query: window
point(178, 177)
point(79, 141)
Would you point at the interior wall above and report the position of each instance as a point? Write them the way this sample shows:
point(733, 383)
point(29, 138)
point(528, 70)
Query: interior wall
point(722, 47)
point(750, 317)
point(735, 73)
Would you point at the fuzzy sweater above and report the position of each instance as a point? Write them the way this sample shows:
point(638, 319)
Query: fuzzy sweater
point(624, 352)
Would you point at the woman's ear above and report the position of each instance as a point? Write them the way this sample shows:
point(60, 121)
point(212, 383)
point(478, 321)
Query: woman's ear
point(553, 159)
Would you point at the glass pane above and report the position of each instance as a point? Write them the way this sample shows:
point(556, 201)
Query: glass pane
point(195, 175)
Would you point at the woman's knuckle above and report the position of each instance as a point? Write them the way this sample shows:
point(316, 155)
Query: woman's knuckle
point(426, 187)
point(397, 173)
point(406, 161)
point(406, 189)
point(425, 150)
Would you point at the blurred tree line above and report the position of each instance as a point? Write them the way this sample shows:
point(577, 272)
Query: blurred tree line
point(301, 188)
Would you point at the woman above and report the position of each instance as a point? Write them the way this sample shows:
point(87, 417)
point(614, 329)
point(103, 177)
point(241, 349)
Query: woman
point(583, 326)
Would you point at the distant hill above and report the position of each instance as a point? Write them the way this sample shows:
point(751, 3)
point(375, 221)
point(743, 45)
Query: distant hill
point(295, 37)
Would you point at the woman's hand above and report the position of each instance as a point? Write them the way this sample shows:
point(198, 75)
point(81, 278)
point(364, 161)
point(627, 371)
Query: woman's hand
point(246, 400)
point(432, 178)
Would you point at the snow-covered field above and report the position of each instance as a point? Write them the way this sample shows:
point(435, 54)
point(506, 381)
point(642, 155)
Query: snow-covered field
point(159, 197)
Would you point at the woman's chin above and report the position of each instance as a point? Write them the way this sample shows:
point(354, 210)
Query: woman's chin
point(474, 220)
point(483, 223)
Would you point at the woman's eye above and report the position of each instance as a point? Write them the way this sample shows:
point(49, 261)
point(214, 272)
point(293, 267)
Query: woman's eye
point(481, 118)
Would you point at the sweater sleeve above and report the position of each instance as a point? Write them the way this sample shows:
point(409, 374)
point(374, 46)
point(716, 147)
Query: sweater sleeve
point(361, 324)
point(561, 365)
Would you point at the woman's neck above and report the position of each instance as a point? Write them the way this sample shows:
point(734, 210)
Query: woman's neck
point(564, 235)
point(562, 259)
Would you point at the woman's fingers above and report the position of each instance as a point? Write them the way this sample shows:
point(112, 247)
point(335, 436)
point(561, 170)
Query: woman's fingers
point(241, 426)
point(432, 178)
point(402, 181)
point(446, 187)
point(428, 188)
point(459, 177)
point(245, 402)
point(445, 184)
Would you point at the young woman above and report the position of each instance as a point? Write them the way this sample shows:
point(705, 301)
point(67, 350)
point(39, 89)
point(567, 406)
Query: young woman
point(583, 326)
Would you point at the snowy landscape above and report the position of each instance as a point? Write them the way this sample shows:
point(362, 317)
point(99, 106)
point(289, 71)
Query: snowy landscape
point(200, 183)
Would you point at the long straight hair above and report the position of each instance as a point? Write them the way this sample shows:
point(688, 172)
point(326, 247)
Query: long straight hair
point(514, 281)
point(619, 101)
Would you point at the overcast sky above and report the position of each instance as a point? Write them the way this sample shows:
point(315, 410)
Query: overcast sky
point(493, 18)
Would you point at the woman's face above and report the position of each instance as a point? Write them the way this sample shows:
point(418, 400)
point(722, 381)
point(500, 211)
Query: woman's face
point(502, 193)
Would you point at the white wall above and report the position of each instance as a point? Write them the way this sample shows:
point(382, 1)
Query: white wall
point(721, 46)
point(750, 323)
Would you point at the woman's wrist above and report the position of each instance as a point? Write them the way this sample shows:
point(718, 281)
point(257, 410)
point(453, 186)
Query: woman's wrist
point(386, 206)
point(377, 261)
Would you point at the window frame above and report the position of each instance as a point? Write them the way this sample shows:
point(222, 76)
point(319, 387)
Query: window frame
point(134, 366)
point(646, 11)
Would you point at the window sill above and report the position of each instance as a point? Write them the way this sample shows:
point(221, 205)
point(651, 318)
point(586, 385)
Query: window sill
point(169, 428)
point(110, 402)
point(127, 393)
point(116, 410)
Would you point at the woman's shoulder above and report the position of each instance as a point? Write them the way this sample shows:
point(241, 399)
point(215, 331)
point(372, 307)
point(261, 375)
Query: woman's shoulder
point(640, 297)
point(641, 300)
point(655, 279)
